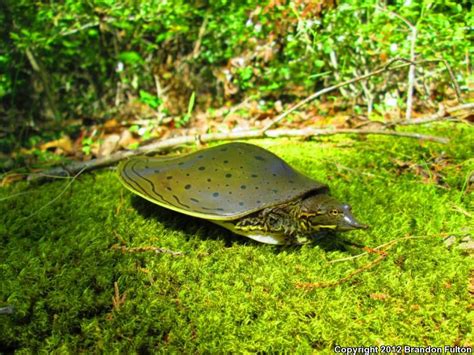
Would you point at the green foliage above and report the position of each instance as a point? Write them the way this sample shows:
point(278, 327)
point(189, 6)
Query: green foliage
point(149, 99)
point(69, 59)
point(87, 143)
point(367, 34)
point(60, 258)
point(182, 121)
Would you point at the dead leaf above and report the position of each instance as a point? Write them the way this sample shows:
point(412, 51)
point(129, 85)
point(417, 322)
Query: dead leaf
point(112, 126)
point(110, 145)
point(61, 146)
point(278, 106)
point(10, 178)
point(379, 296)
point(126, 139)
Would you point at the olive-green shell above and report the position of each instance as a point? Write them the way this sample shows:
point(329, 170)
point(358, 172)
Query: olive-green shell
point(225, 182)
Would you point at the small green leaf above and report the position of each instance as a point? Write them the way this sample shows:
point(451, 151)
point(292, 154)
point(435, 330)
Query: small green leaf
point(319, 63)
point(149, 99)
point(133, 146)
point(86, 150)
point(192, 99)
point(131, 57)
point(93, 33)
point(134, 128)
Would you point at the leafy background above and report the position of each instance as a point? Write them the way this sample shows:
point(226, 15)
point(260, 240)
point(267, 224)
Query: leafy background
point(93, 60)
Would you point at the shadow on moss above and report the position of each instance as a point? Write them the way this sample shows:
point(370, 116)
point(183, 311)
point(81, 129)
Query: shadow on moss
point(192, 226)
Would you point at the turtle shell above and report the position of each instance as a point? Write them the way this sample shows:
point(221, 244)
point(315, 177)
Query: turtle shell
point(225, 182)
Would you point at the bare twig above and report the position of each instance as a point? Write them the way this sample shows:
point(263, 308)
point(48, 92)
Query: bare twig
point(312, 132)
point(227, 111)
point(225, 136)
point(380, 247)
point(387, 67)
point(310, 98)
point(160, 91)
point(454, 81)
point(382, 250)
point(368, 94)
point(411, 70)
point(197, 45)
point(117, 299)
point(107, 19)
point(411, 74)
point(312, 285)
point(14, 195)
point(81, 28)
point(38, 68)
point(333, 61)
point(118, 93)
point(462, 211)
point(457, 89)
point(157, 250)
point(66, 171)
point(161, 95)
point(442, 115)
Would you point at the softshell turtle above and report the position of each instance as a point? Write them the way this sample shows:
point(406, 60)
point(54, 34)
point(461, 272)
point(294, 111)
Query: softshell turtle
point(243, 188)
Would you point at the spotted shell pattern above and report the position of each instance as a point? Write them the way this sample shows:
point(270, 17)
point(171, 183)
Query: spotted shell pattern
point(225, 182)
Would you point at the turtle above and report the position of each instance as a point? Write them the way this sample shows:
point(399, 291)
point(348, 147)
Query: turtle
point(243, 188)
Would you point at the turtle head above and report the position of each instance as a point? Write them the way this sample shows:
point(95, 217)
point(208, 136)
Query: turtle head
point(324, 212)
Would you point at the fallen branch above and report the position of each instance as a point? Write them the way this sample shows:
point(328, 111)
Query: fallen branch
point(312, 132)
point(442, 115)
point(262, 133)
point(75, 167)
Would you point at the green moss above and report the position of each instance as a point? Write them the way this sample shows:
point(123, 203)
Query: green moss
point(228, 293)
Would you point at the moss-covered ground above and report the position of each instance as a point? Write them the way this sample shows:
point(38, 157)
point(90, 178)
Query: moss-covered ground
point(60, 260)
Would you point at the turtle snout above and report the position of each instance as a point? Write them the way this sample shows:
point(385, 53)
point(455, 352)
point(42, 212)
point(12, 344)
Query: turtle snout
point(354, 224)
point(348, 222)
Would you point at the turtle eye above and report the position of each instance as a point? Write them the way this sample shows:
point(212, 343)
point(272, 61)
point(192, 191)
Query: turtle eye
point(333, 212)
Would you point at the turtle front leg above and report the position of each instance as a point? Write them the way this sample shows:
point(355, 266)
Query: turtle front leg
point(274, 222)
point(266, 220)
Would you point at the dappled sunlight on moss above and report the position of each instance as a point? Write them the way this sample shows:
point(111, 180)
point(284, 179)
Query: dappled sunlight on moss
point(230, 293)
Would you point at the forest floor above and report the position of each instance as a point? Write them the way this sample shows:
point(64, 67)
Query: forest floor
point(81, 270)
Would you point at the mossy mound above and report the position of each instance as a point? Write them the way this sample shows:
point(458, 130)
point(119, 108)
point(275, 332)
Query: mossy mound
point(70, 271)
